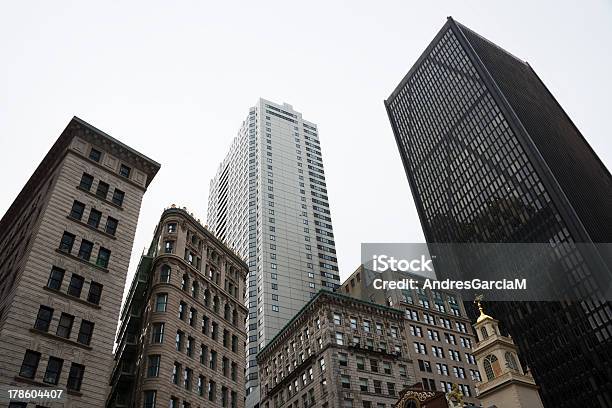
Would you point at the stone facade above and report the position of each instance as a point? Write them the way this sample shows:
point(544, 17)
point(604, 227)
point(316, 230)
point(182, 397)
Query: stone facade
point(181, 341)
point(336, 352)
point(64, 255)
point(437, 330)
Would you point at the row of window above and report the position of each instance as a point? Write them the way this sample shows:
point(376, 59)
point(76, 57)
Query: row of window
point(64, 325)
point(85, 250)
point(96, 155)
point(75, 287)
point(53, 372)
point(434, 335)
point(95, 216)
point(102, 189)
point(414, 315)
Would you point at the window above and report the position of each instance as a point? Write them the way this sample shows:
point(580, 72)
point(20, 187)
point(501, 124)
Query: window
point(118, 197)
point(181, 310)
point(111, 226)
point(94, 218)
point(55, 278)
point(363, 384)
point(103, 257)
point(337, 319)
point(43, 319)
point(67, 242)
point(360, 363)
point(171, 227)
point(343, 359)
point(511, 361)
point(149, 399)
point(102, 190)
point(491, 366)
point(95, 293)
point(95, 155)
point(377, 387)
point(161, 302)
point(164, 275)
point(64, 327)
point(76, 285)
point(345, 380)
point(77, 210)
point(391, 388)
point(75, 377)
point(86, 181)
point(29, 364)
point(374, 366)
point(157, 334)
point(124, 171)
point(54, 370)
point(168, 247)
point(339, 339)
point(85, 332)
point(85, 250)
point(179, 340)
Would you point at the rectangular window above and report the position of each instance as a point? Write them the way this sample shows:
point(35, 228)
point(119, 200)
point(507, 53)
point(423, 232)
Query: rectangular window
point(153, 366)
point(55, 278)
point(54, 370)
point(95, 293)
point(75, 378)
point(94, 218)
point(161, 302)
point(103, 257)
point(157, 334)
point(29, 364)
point(86, 181)
point(149, 399)
point(111, 226)
point(64, 326)
point(43, 319)
point(77, 210)
point(118, 197)
point(95, 155)
point(102, 190)
point(85, 332)
point(85, 250)
point(76, 285)
point(67, 242)
point(124, 171)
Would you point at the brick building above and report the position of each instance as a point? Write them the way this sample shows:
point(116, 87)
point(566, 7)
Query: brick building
point(181, 337)
point(338, 351)
point(64, 253)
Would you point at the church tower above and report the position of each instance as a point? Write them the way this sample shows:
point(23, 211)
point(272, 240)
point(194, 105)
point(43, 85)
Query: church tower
point(504, 382)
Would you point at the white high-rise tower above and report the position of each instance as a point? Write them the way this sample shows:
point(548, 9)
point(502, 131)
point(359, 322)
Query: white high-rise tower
point(269, 202)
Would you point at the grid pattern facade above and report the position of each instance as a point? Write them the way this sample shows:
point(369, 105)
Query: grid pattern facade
point(337, 352)
point(181, 339)
point(269, 202)
point(480, 171)
point(63, 263)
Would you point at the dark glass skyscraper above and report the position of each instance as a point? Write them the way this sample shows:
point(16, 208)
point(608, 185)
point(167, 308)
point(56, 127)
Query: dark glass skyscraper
point(492, 157)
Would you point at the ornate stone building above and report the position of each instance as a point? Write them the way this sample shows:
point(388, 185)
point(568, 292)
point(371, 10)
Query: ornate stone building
point(338, 351)
point(437, 331)
point(505, 383)
point(64, 252)
point(181, 337)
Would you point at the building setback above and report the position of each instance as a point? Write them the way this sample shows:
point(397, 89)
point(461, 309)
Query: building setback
point(338, 351)
point(437, 331)
point(64, 254)
point(269, 202)
point(491, 156)
point(181, 338)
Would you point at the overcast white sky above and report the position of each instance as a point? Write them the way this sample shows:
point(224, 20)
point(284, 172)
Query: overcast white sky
point(174, 80)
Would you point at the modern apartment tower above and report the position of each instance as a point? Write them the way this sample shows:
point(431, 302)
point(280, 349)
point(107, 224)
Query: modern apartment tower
point(269, 203)
point(492, 157)
point(64, 254)
point(181, 338)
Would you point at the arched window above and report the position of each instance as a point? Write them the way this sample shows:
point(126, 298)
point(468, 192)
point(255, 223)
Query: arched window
point(227, 312)
point(216, 304)
point(483, 331)
point(491, 366)
point(185, 282)
point(164, 274)
point(511, 361)
point(207, 297)
point(195, 289)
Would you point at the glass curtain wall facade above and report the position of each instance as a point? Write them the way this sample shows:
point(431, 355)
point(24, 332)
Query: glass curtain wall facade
point(492, 157)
